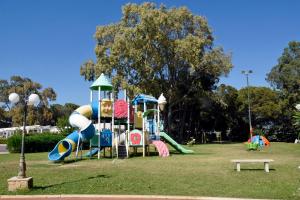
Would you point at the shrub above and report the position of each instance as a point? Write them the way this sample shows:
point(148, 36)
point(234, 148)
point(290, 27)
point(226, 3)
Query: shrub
point(42, 142)
point(3, 140)
point(64, 126)
point(258, 131)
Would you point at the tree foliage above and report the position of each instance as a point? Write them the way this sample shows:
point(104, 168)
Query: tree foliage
point(264, 103)
point(62, 111)
point(4, 119)
point(151, 49)
point(285, 78)
point(285, 75)
point(24, 87)
point(4, 92)
point(227, 114)
point(296, 120)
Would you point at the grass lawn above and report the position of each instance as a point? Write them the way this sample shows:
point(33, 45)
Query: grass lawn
point(208, 172)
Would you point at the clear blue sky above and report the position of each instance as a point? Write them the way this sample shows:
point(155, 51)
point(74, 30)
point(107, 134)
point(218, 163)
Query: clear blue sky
point(47, 41)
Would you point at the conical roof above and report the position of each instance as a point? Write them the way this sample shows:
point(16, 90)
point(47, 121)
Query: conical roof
point(103, 82)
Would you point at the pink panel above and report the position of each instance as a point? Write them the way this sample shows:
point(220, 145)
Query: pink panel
point(121, 109)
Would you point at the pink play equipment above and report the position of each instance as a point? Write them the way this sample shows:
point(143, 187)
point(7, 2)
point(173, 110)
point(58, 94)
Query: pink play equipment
point(161, 148)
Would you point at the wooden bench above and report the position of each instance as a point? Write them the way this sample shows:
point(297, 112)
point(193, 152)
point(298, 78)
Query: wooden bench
point(265, 161)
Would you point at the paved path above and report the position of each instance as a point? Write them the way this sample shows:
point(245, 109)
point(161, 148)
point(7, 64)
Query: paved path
point(111, 197)
point(3, 149)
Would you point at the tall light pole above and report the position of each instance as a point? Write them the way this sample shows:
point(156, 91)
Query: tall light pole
point(21, 181)
point(247, 72)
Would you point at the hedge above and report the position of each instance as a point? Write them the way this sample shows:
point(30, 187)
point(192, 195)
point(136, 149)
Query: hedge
point(3, 140)
point(38, 142)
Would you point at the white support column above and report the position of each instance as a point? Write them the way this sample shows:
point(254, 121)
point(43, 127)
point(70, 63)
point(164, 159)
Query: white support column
point(113, 125)
point(238, 166)
point(91, 96)
point(144, 128)
point(266, 166)
point(128, 124)
point(99, 121)
point(135, 111)
point(158, 121)
point(91, 101)
point(78, 143)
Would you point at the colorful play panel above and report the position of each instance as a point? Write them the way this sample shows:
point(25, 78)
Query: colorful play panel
point(256, 142)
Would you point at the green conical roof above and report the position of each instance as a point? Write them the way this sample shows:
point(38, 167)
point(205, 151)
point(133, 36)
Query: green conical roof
point(103, 82)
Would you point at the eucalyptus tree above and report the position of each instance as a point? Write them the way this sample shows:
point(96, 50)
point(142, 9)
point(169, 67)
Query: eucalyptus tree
point(285, 77)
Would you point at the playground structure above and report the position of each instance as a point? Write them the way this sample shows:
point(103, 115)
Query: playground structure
point(143, 116)
point(257, 141)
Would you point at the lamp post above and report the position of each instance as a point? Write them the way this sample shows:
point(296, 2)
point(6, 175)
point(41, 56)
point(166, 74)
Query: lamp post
point(247, 72)
point(21, 181)
point(161, 106)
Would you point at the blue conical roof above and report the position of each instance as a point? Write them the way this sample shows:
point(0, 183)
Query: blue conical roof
point(103, 82)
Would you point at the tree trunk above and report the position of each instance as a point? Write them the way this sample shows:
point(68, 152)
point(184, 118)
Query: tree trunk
point(169, 118)
point(182, 127)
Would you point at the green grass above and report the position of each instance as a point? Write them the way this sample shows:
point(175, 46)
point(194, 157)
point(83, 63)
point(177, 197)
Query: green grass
point(208, 172)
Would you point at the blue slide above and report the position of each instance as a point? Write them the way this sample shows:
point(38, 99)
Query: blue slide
point(78, 119)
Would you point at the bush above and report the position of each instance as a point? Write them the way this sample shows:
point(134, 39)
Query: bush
point(64, 126)
point(42, 142)
point(3, 141)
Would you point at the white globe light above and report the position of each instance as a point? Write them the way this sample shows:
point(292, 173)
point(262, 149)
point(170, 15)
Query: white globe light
point(33, 99)
point(162, 102)
point(14, 98)
point(298, 107)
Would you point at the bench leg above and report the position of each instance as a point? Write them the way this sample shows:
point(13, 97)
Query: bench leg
point(266, 167)
point(238, 166)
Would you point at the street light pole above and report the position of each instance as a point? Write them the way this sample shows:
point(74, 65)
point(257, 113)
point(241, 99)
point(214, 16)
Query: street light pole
point(22, 164)
point(21, 181)
point(247, 72)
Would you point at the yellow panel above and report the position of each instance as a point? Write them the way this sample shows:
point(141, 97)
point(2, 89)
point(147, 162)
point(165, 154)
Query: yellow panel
point(61, 148)
point(106, 108)
point(85, 110)
point(138, 119)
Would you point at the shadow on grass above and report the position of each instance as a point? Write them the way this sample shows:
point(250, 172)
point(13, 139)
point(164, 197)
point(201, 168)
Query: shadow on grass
point(67, 182)
point(69, 161)
point(174, 152)
point(140, 154)
point(255, 169)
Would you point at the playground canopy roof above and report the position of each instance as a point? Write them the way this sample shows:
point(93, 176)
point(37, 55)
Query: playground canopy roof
point(144, 98)
point(103, 82)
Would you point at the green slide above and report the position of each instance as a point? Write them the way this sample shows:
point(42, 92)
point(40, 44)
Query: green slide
point(174, 144)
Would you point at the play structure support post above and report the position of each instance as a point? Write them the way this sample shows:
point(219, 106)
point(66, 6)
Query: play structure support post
point(158, 121)
point(135, 111)
point(99, 120)
point(78, 146)
point(128, 123)
point(144, 128)
point(113, 125)
point(91, 101)
point(91, 96)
